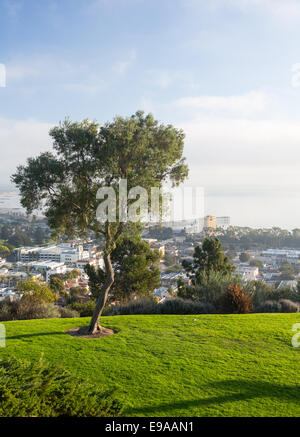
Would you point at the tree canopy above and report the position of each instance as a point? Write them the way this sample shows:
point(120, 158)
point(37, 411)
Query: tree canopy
point(136, 270)
point(36, 291)
point(208, 258)
point(85, 157)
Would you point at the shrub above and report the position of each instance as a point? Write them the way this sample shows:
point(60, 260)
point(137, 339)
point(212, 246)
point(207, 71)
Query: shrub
point(8, 310)
point(285, 293)
point(259, 291)
point(235, 300)
point(27, 309)
point(35, 290)
point(32, 310)
point(269, 306)
point(68, 313)
point(210, 289)
point(281, 306)
point(85, 309)
point(168, 306)
point(287, 306)
point(185, 306)
point(139, 306)
point(43, 390)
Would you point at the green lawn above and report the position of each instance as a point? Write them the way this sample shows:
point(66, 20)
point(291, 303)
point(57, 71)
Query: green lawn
point(208, 365)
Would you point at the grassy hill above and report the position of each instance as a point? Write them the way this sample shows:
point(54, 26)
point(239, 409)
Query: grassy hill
point(208, 365)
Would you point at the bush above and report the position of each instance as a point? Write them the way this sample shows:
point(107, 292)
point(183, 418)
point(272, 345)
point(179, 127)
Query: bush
point(35, 290)
point(287, 306)
point(8, 310)
point(281, 306)
point(285, 293)
point(68, 313)
point(27, 309)
point(259, 291)
point(185, 306)
point(269, 306)
point(169, 306)
point(210, 289)
point(236, 301)
point(43, 390)
point(140, 306)
point(85, 309)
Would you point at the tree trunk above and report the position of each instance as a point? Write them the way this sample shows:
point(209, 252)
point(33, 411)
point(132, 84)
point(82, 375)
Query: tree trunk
point(101, 301)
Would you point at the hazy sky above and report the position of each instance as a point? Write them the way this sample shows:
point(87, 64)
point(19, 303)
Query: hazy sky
point(226, 71)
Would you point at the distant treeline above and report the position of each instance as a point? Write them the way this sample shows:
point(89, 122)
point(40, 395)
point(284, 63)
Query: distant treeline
point(246, 238)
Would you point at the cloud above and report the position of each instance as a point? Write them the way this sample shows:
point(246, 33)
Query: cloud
point(121, 67)
point(243, 105)
point(242, 142)
point(281, 10)
point(47, 70)
point(165, 78)
point(237, 145)
point(21, 140)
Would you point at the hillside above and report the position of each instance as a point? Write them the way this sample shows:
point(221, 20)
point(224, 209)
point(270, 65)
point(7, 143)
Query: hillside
point(208, 365)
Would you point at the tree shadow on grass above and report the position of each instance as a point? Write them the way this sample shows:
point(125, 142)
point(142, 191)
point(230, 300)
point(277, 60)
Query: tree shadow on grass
point(37, 334)
point(236, 390)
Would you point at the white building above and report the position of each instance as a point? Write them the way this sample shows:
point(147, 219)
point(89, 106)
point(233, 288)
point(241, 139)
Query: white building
point(8, 293)
point(248, 273)
point(96, 262)
point(281, 255)
point(223, 222)
point(292, 284)
point(48, 267)
point(63, 253)
point(161, 293)
point(3, 272)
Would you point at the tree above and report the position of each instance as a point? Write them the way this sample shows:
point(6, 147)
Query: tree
point(37, 292)
point(208, 259)
point(4, 251)
point(87, 157)
point(244, 257)
point(76, 292)
point(19, 239)
point(57, 284)
point(236, 301)
point(73, 274)
point(5, 232)
point(231, 254)
point(136, 267)
point(39, 236)
point(256, 263)
point(169, 260)
point(160, 233)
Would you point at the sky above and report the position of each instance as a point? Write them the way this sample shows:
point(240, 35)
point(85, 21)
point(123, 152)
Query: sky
point(225, 71)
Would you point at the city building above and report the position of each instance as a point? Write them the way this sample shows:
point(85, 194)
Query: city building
point(63, 253)
point(48, 268)
point(223, 222)
point(162, 293)
point(210, 222)
point(280, 256)
point(7, 293)
point(248, 273)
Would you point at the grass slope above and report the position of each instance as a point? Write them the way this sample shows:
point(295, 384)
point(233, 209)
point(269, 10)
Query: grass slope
point(208, 365)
